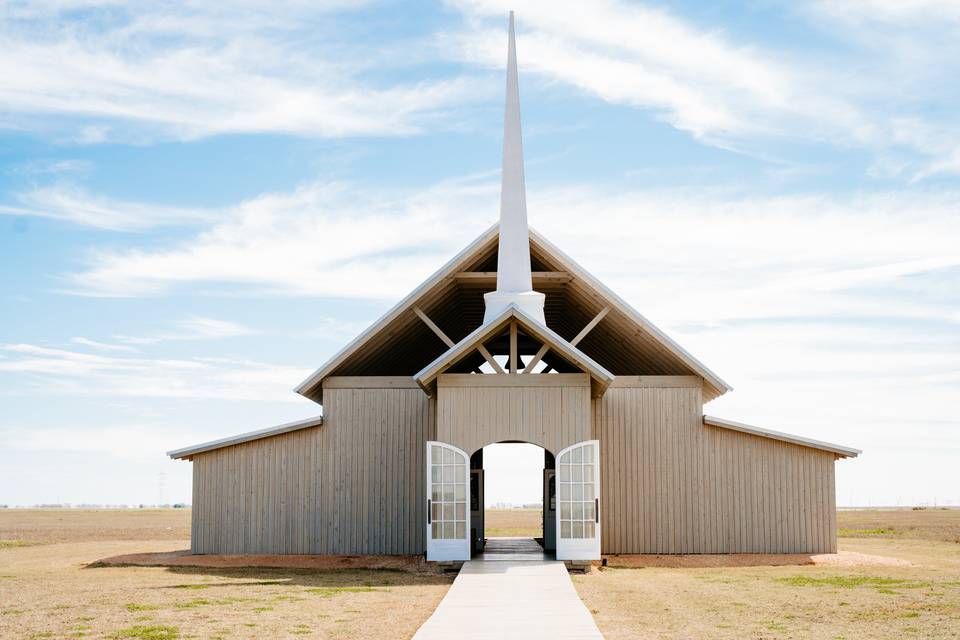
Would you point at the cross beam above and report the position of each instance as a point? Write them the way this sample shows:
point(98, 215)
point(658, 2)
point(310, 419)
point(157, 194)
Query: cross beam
point(590, 325)
point(427, 321)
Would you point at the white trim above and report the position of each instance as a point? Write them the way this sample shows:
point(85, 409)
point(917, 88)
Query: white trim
point(840, 450)
point(179, 454)
point(429, 373)
point(625, 308)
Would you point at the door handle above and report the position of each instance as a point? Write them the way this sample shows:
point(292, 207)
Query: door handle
point(429, 513)
point(596, 509)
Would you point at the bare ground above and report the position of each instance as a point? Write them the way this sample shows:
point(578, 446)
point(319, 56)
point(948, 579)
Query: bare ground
point(48, 589)
point(902, 581)
point(898, 575)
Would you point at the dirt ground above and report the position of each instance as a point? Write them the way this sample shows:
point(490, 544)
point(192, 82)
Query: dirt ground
point(897, 576)
point(47, 590)
point(511, 523)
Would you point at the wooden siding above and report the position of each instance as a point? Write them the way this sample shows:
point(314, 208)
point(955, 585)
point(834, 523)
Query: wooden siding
point(672, 485)
point(552, 411)
point(351, 486)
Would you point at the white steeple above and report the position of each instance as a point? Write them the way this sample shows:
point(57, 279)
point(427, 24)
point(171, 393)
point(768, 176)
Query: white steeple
point(514, 282)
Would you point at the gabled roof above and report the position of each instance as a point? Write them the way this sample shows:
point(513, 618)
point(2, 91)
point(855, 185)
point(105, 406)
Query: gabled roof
point(311, 387)
point(838, 450)
point(624, 343)
point(600, 377)
point(188, 452)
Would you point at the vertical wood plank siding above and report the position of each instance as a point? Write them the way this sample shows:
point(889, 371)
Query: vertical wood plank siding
point(672, 485)
point(669, 484)
point(553, 417)
point(353, 485)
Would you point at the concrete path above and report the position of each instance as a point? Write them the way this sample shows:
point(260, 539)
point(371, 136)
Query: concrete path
point(511, 591)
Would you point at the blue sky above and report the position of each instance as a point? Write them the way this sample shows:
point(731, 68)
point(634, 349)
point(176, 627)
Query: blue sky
point(199, 205)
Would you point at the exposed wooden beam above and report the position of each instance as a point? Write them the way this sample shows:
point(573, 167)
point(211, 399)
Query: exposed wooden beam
point(590, 325)
point(489, 278)
point(427, 321)
point(513, 348)
point(486, 354)
point(537, 358)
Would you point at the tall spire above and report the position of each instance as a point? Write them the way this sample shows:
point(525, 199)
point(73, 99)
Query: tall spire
point(514, 282)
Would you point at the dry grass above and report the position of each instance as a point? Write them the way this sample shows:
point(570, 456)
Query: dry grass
point(513, 523)
point(46, 591)
point(43, 526)
point(919, 600)
point(920, 524)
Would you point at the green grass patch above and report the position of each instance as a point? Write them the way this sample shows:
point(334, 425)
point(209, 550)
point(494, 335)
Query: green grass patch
point(190, 586)
point(134, 606)
point(329, 592)
point(849, 582)
point(11, 612)
point(865, 532)
point(153, 632)
point(193, 604)
point(13, 544)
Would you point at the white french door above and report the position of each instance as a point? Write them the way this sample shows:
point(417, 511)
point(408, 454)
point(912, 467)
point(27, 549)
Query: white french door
point(578, 502)
point(448, 494)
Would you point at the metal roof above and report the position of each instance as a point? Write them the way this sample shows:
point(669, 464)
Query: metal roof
point(625, 343)
point(187, 452)
point(840, 450)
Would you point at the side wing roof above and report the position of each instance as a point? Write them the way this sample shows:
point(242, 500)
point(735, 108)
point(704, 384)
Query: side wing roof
point(623, 343)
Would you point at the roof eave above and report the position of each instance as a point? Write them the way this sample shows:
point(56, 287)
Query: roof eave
point(311, 387)
point(249, 436)
point(574, 267)
point(836, 449)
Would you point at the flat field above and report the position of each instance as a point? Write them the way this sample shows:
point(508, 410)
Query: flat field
point(513, 523)
point(908, 586)
point(47, 591)
point(904, 584)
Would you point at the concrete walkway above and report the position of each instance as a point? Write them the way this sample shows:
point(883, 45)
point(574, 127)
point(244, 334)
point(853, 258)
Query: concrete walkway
point(511, 591)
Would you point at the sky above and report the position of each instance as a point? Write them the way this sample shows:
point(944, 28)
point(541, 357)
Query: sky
point(200, 204)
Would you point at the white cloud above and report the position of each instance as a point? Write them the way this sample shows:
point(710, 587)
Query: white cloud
point(197, 69)
point(75, 204)
point(698, 80)
point(194, 328)
point(328, 239)
point(104, 346)
point(867, 92)
point(750, 257)
point(61, 371)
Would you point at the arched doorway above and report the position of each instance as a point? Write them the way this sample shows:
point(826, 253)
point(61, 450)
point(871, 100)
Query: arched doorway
point(513, 496)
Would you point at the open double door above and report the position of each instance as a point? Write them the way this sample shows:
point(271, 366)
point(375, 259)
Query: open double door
point(578, 502)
